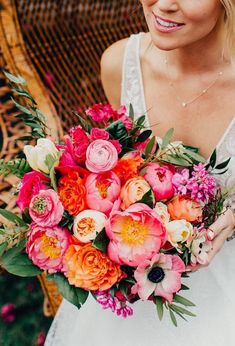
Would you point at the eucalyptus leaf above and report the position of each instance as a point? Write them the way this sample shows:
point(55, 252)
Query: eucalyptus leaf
point(182, 310)
point(173, 318)
point(12, 217)
point(167, 138)
point(13, 252)
point(178, 161)
point(195, 156)
point(21, 107)
point(159, 306)
point(101, 241)
point(74, 295)
point(149, 147)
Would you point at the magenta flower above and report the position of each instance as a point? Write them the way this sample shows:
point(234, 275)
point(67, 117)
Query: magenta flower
point(46, 209)
point(159, 178)
point(31, 184)
point(161, 275)
point(100, 112)
point(8, 312)
point(107, 301)
point(78, 144)
point(102, 191)
point(180, 181)
point(97, 133)
point(46, 247)
point(135, 234)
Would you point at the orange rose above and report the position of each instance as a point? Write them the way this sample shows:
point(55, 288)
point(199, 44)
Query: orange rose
point(90, 269)
point(72, 192)
point(127, 167)
point(185, 208)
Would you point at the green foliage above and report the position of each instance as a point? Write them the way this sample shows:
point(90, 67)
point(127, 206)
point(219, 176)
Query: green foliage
point(16, 167)
point(101, 241)
point(13, 218)
point(118, 132)
point(74, 295)
point(51, 161)
point(29, 113)
point(148, 199)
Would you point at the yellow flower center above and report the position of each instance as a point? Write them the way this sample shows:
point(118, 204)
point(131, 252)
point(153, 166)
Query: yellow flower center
point(49, 246)
point(102, 188)
point(133, 232)
point(86, 226)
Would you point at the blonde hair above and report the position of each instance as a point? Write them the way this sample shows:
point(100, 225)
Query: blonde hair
point(229, 19)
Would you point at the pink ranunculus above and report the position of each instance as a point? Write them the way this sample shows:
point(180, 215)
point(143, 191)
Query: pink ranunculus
point(102, 191)
point(100, 112)
point(31, 184)
point(46, 246)
point(161, 275)
point(101, 156)
point(159, 178)
point(97, 133)
point(135, 234)
point(46, 209)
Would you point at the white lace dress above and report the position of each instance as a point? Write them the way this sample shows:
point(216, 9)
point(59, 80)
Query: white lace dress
point(212, 289)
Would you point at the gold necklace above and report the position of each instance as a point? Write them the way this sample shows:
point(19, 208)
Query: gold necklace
point(184, 104)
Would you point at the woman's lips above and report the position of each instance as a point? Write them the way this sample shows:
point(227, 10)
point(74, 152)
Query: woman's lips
point(166, 25)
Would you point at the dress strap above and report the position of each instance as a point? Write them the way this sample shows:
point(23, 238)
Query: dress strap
point(132, 84)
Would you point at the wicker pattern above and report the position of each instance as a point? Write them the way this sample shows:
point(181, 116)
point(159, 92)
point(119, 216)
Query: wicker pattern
point(64, 41)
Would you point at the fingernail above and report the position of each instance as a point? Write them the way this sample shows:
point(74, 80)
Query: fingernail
point(210, 234)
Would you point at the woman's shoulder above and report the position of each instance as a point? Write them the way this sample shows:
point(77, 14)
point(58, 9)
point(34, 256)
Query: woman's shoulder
point(111, 71)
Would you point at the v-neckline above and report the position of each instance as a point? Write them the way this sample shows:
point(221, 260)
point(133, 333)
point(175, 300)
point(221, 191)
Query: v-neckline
point(144, 101)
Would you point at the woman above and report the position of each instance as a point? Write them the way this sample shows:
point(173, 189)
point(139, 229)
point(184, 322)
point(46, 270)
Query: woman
point(181, 73)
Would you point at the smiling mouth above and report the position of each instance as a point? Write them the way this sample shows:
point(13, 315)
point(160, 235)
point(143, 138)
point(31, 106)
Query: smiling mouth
point(166, 23)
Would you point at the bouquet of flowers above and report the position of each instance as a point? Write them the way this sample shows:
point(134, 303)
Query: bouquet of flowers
point(112, 211)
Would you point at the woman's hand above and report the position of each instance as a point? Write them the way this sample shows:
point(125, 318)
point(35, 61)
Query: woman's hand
point(218, 232)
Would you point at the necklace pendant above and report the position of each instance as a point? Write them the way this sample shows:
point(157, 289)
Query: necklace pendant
point(184, 104)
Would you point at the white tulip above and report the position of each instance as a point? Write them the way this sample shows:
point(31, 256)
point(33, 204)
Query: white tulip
point(36, 156)
point(88, 224)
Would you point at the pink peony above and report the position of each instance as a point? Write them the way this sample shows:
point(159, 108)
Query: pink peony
point(161, 275)
point(100, 112)
point(31, 184)
point(46, 247)
point(135, 234)
point(101, 156)
point(46, 209)
point(102, 190)
point(159, 178)
point(97, 133)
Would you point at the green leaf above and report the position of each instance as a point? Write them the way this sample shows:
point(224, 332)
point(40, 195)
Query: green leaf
point(21, 107)
point(159, 306)
point(101, 241)
point(144, 135)
point(223, 164)
point(213, 159)
point(195, 156)
point(173, 318)
point(16, 167)
point(24, 93)
point(178, 161)
point(184, 287)
point(123, 287)
point(182, 300)
point(181, 310)
point(140, 121)
point(15, 79)
point(13, 252)
point(21, 265)
point(149, 147)
point(3, 247)
point(85, 123)
point(131, 112)
point(12, 217)
point(74, 295)
point(148, 198)
point(167, 138)
point(117, 130)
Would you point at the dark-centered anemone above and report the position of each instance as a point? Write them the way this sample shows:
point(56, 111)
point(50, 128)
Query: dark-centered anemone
point(156, 275)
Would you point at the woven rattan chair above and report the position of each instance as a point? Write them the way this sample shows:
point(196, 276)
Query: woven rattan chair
point(56, 45)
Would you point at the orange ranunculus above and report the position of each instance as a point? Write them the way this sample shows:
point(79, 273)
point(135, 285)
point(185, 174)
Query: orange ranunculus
point(72, 192)
point(182, 207)
point(90, 269)
point(127, 166)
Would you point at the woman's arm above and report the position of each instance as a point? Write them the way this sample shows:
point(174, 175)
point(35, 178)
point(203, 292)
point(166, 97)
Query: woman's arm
point(111, 72)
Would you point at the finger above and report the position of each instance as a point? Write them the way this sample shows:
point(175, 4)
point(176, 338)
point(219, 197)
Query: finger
point(220, 224)
point(218, 243)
